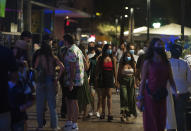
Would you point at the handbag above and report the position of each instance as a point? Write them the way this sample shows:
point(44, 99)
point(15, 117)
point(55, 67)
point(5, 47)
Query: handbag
point(159, 94)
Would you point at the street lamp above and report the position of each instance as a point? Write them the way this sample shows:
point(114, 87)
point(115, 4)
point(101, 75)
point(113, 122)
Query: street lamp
point(126, 7)
point(156, 25)
point(116, 23)
point(148, 18)
point(182, 18)
point(131, 22)
point(126, 16)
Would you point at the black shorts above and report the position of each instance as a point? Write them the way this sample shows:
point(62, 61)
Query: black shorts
point(73, 95)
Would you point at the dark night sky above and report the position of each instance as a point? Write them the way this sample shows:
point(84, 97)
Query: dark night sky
point(166, 11)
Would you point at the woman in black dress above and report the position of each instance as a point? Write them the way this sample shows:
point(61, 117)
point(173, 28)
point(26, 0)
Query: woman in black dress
point(106, 76)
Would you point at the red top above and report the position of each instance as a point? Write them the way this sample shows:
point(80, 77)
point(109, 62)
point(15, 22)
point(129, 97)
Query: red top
point(108, 65)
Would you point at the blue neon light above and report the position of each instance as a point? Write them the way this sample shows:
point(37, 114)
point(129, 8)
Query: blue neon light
point(48, 11)
point(62, 11)
point(57, 11)
point(47, 31)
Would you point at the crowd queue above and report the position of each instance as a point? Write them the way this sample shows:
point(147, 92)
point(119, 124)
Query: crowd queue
point(89, 72)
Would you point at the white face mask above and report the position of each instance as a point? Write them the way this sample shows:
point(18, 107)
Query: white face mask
point(128, 58)
point(132, 52)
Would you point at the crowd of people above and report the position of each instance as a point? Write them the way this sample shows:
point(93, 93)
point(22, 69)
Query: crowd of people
point(89, 73)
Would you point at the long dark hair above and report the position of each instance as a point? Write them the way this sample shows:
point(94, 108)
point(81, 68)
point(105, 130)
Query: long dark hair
point(131, 62)
point(105, 54)
point(150, 51)
point(46, 50)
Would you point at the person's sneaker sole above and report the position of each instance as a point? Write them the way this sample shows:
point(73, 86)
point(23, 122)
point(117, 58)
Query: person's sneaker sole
point(75, 129)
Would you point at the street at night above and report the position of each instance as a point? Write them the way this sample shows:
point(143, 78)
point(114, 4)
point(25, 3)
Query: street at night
point(91, 124)
point(95, 65)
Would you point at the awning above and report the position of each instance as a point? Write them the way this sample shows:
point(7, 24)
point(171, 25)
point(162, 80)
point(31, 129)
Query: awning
point(171, 29)
point(63, 11)
point(71, 12)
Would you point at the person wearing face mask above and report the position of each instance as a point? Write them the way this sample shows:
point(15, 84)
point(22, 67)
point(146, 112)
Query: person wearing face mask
point(91, 74)
point(91, 50)
point(182, 76)
point(120, 53)
point(106, 78)
point(132, 51)
point(156, 72)
point(126, 78)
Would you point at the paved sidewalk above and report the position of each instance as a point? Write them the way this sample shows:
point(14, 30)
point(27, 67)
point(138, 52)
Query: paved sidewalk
point(92, 124)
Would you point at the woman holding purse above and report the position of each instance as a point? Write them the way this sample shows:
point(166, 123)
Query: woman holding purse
point(155, 75)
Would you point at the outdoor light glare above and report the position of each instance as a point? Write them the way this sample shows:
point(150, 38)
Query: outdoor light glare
point(126, 7)
point(67, 17)
point(156, 25)
point(105, 42)
point(132, 10)
point(116, 21)
point(126, 16)
point(98, 14)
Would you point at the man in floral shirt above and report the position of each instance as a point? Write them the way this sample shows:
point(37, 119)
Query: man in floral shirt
point(74, 67)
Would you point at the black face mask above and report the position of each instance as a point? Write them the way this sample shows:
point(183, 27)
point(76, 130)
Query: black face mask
point(90, 49)
point(159, 50)
point(98, 52)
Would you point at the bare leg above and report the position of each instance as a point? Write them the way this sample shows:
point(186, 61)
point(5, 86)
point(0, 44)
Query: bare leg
point(99, 101)
point(109, 100)
point(85, 112)
point(75, 111)
point(104, 94)
point(93, 99)
point(70, 111)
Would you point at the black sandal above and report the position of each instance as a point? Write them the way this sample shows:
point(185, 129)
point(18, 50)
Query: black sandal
point(110, 118)
point(102, 116)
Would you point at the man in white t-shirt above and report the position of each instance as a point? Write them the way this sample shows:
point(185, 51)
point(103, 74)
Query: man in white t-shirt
point(120, 53)
point(182, 76)
point(188, 59)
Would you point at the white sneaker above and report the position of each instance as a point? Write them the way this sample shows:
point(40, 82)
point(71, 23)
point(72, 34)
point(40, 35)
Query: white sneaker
point(97, 115)
point(75, 126)
point(90, 114)
point(68, 124)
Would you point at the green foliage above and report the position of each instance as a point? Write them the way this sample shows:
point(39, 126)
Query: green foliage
point(187, 46)
point(110, 31)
